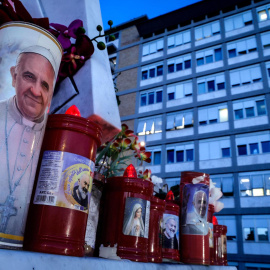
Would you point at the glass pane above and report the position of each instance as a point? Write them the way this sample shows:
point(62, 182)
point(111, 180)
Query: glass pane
point(159, 97)
point(218, 54)
point(245, 186)
point(250, 112)
point(170, 156)
point(266, 147)
point(180, 156)
point(217, 182)
point(249, 234)
point(254, 148)
point(144, 75)
point(201, 88)
point(232, 53)
point(211, 86)
point(209, 59)
point(187, 64)
point(171, 68)
point(221, 86)
point(157, 158)
point(200, 61)
point(226, 152)
point(151, 98)
point(189, 154)
point(242, 150)
point(257, 192)
point(261, 108)
point(262, 15)
point(152, 73)
point(262, 234)
point(223, 115)
point(238, 114)
point(170, 96)
point(143, 99)
point(159, 70)
point(179, 66)
point(227, 186)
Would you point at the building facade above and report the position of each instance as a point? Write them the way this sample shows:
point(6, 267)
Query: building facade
point(194, 85)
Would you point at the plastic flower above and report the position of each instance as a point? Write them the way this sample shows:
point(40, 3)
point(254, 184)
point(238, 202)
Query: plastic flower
point(147, 175)
point(64, 33)
point(144, 156)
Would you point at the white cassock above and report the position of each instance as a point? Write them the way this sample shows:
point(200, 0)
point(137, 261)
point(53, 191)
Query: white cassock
point(195, 224)
point(20, 141)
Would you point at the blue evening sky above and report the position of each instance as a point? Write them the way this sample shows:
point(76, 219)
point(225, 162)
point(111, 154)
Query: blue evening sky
point(121, 11)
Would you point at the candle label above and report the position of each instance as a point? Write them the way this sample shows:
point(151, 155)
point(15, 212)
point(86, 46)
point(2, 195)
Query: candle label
point(65, 180)
point(211, 235)
point(170, 232)
point(194, 209)
point(136, 217)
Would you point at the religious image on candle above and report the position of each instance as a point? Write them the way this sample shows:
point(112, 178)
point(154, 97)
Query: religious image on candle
point(136, 217)
point(170, 232)
point(30, 59)
point(194, 209)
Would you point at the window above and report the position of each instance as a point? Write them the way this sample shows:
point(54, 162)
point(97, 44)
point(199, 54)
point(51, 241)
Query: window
point(243, 76)
point(179, 39)
point(265, 146)
point(247, 108)
point(238, 21)
point(263, 13)
point(253, 148)
point(242, 150)
point(242, 46)
point(149, 125)
point(226, 152)
point(152, 71)
point(157, 158)
point(208, 56)
point(179, 90)
point(180, 153)
point(213, 114)
point(265, 37)
point(249, 234)
point(151, 97)
point(224, 182)
point(153, 47)
point(207, 30)
point(170, 156)
point(211, 83)
point(262, 234)
point(179, 63)
point(179, 120)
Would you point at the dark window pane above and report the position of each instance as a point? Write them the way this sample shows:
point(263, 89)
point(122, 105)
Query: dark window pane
point(159, 97)
point(171, 68)
point(248, 23)
point(170, 156)
point(221, 86)
point(212, 121)
point(242, 52)
point(143, 99)
point(187, 64)
point(211, 86)
point(266, 147)
point(180, 156)
point(116, 35)
point(203, 123)
point(209, 59)
point(261, 108)
point(262, 234)
point(159, 70)
point(157, 158)
point(249, 234)
point(226, 152)
point(250, 112)
point(254, 148)
point(201, 88)
point(152, 73)
point(238, 114)
point(189, 154)
point(144, 75)
point(170, 96)
point(242, 150)
point(218, 54)
point(268, 72)
point(179, 66)
point(151, 98)
point(232, 53)
point(200, 61)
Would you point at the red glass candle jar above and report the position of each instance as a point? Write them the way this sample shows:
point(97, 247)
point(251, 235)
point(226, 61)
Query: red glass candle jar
point(126, 215)
point(210, 214)
point(220, 245)
point(59, 205)
point(194, 193)
point(170, 234)
point(157, 209)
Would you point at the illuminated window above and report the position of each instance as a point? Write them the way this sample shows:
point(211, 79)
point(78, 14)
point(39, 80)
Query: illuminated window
point(262, 15)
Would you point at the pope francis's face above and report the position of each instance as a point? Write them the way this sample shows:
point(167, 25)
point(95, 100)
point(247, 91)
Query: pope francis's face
point(33, 81)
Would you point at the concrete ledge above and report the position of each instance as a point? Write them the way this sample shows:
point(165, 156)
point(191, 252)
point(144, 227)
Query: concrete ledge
point(24, 260)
